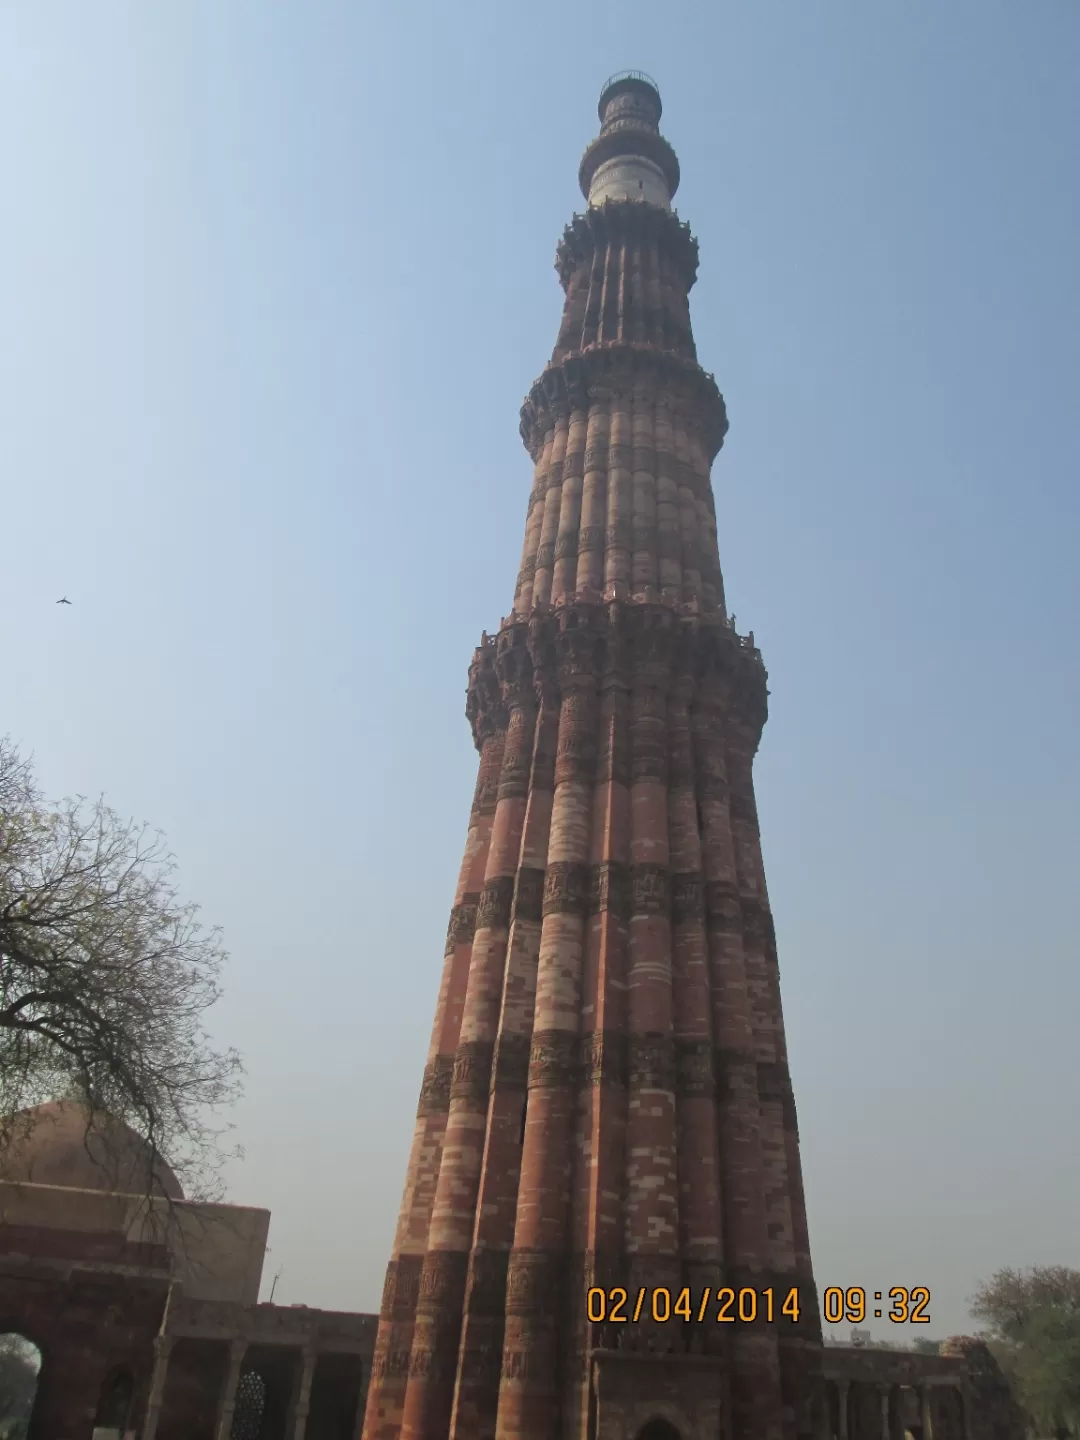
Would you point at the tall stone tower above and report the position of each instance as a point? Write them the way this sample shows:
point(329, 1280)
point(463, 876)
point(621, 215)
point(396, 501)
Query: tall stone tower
point(606, 1106)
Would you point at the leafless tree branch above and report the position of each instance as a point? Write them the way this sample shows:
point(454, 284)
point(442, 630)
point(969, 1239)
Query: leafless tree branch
point(106, 976)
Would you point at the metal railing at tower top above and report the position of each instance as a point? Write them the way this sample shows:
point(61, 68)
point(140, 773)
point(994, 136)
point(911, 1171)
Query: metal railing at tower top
point(621, 75)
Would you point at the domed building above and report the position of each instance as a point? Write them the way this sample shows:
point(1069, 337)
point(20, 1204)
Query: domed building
point(62, 1143)
point(143, 1305)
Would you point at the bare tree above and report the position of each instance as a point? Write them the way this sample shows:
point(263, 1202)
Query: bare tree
point(1032, 1319)
point(105, 979)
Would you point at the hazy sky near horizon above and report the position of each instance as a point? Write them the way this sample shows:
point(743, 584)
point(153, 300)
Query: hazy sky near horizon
point(274, 280)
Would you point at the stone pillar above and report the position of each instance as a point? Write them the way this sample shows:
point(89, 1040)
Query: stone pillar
point(227, 1404)
point(429, 1397)
point(599, 1184)
point(688, 514)
point(842, 1389)
point(886, 1419)
point(755, 1389)
point(479, 1357)
point(544, 562)
point(303, 1393)
point(534, 520)
point(163, 1345)
point(564, 555)
point(700, 1215)
point(924, 1412)
point(668, 521)
point(590, 561)
point(620, 500)
point(773, 1081)
point(393, 1343)
point(652, 1201)
point(538, 1266)
point(644, 577)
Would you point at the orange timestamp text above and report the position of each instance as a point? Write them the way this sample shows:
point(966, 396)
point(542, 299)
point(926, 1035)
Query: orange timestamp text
point(724, 1305)
point(906, 1305)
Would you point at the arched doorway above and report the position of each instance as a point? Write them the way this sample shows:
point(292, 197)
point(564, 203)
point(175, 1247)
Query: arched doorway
point(20, 1365)
point(658, 1429)
point(114, 1406)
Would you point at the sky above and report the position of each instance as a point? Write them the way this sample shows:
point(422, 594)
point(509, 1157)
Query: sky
point(274, 281)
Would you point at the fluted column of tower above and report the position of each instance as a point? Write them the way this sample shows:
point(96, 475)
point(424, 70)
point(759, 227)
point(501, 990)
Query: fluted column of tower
point(607, 1100)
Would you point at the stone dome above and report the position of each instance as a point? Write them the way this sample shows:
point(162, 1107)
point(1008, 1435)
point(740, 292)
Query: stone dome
point(55, 1144)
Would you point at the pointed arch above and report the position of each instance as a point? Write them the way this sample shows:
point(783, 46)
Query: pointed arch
point(20, 1373)
point(658, 1429)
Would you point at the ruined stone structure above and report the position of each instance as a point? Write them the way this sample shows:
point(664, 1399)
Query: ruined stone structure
point(144, 1307)
point(607, 1100)
point(958, 1394)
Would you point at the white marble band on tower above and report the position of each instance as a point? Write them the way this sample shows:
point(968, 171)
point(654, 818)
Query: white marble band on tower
point(630, 177)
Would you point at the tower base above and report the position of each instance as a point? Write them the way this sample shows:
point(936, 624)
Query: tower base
point(629, 1390)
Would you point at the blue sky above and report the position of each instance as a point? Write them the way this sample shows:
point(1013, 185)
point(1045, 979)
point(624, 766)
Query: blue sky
point(274, 280)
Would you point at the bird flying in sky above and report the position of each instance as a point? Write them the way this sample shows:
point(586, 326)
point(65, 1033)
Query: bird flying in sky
point(63, 601)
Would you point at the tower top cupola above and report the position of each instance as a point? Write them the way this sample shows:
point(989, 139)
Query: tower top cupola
point(629, 159)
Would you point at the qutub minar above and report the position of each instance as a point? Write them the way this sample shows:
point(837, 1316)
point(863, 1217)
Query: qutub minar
point(603, 1234)
point(606, 1105)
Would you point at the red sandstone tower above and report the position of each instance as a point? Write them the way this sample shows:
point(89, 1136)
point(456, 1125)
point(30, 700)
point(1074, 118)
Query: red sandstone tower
point(607, 1103)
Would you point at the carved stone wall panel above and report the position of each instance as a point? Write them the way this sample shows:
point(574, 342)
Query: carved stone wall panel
point(652, 1062)
point(510, 1065)
point(435, 1090)
point(535, 1283)
point(650, 890)
point(485, 1287)
point(611, 890)
point(401, 1288)
point(463, 921)
point(472, 1073)
point(722, 909)
point(529, 894)
point(687, 898)
point(493, 910)
point(694, 1068)
point(442, 1282)
point(567, 888)
point(604, 1058)
point(774, 1082)
point(553, 1059)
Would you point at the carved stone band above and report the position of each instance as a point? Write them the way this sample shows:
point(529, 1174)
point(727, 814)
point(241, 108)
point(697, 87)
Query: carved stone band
point(566, 889)
point(510, 1067)
point(493, 911)
point(462, 921)
point(552, 1059)
point(472, 1073)
point(652, 1062)
point(401, 1288)
point(534, 1282)
point(435, 1090)
point(603, 1058)
point(442, 1282)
